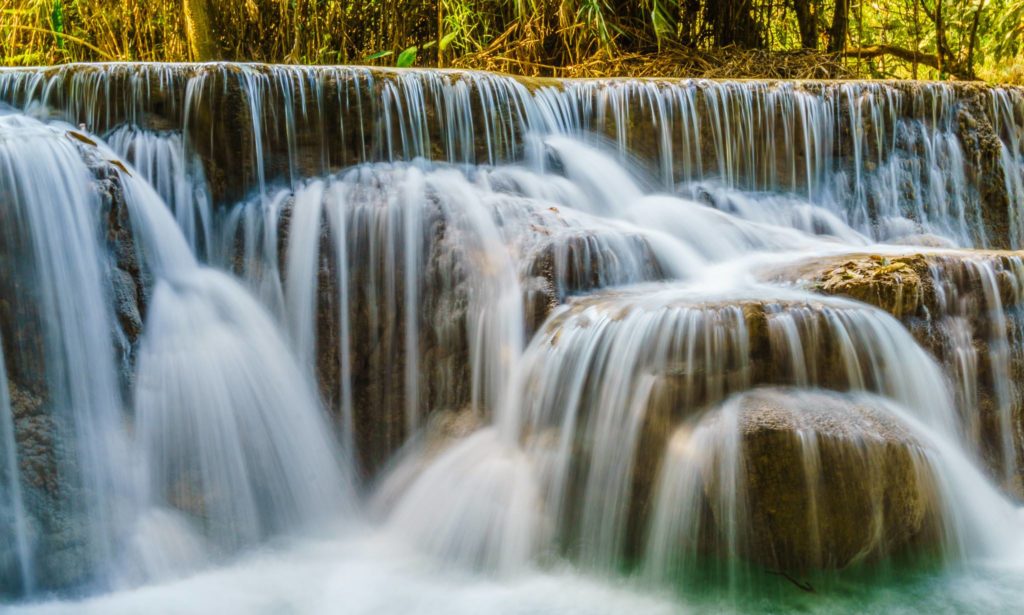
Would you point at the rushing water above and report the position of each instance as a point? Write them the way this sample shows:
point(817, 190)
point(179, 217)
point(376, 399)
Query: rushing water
point(303, 339)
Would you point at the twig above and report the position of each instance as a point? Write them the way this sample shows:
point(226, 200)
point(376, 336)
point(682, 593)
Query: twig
point(73, 39)
point(803, 585)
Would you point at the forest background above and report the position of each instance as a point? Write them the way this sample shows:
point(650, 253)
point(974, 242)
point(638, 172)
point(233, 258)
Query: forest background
point(920, 39)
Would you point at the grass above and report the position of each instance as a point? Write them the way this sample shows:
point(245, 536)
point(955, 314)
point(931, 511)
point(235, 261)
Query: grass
point(529, 37)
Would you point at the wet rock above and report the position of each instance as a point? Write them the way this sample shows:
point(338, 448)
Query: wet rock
point(556, 256)
point(967, 309)
point(564, 263)
point(35, 439)
point(797, 483)
point(827, 482)
point(129, 283)
point(897, 285)
point(46, 451)
point(657, 357)
point(983, 150)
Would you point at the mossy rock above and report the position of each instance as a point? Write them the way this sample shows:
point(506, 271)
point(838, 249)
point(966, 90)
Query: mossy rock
point(825, 481)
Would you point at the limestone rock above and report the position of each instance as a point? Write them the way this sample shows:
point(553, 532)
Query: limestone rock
point(965, 307)
point(828, 482)
point(897, 285)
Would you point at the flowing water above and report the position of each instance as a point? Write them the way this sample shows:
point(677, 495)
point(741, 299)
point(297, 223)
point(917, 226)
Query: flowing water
point(316, 339)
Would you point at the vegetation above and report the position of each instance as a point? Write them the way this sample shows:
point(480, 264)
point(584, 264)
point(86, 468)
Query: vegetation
point(869, 38)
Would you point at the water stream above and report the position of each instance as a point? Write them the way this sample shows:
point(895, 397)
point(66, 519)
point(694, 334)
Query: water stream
point(324, 339)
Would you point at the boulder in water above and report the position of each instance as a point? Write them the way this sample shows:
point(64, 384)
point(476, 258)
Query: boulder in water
point(828, 481)
point(897, 285)
point(964, 307)
point(793, 481)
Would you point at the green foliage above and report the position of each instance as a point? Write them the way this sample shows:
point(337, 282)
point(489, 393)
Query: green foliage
point(407, 58)
point(531, 36)
point(57, 23)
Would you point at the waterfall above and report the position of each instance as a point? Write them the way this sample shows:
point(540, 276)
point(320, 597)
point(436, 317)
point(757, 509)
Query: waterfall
point(162, 160)
point(379, 339)
point(891, 160)
point(230, 426)
point(59, 280)
point(14, 516)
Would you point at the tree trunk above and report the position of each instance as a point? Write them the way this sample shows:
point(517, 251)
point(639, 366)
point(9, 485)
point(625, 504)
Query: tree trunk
point(732, 23)
point(807, 21)
point(969, 60)
point(840, 25)
point(201, 44)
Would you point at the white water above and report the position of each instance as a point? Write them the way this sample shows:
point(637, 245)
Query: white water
point(226, 426)
point(162, 160)
point(232, 478)
point(54, 215)
point(18, 545)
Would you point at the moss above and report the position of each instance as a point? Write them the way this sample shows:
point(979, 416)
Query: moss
point(900, 285)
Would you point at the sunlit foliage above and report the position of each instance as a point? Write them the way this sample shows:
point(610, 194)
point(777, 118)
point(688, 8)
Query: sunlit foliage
point(868, 38)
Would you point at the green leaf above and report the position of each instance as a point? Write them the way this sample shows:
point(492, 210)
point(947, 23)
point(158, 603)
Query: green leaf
point(447, 40)
point(407, 58)
point(57, 23)
point(378, 55)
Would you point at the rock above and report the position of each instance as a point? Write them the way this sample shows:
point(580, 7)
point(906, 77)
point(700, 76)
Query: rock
point(557, 256)
point(966, 308)
point(827, 482)
point(692, 353)
point(129, 283)
point(48, 461)
point(894, 285)
point(796, 483)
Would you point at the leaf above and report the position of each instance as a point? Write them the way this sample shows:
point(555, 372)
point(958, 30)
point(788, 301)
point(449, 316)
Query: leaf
point(57, 23)
point(407, 58)
point(378, 55)
point(80, 137)
point(428, 45)
point(447, 40)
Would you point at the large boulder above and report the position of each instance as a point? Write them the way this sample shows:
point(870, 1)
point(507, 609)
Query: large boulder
point(623, 368)
point(828, 481)
point(966, 308)
point(793, 482)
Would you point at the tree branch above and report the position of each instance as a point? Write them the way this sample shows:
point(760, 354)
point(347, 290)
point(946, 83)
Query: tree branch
point(928, 59)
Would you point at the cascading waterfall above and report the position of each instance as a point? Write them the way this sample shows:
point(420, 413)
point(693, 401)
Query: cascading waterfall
point(887, 158)
point(609, 373)
point(213, 381)
point(230, 426)
point(179, 180)
point(374, 330)
point(18, 548)
point(54, 275)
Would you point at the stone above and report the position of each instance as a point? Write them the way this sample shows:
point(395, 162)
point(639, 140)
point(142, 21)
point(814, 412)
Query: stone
point(966, 307)
point(828, 482)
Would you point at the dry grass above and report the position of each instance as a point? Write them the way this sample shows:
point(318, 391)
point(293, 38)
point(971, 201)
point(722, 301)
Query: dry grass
point(562, 38)
point(730, 62)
